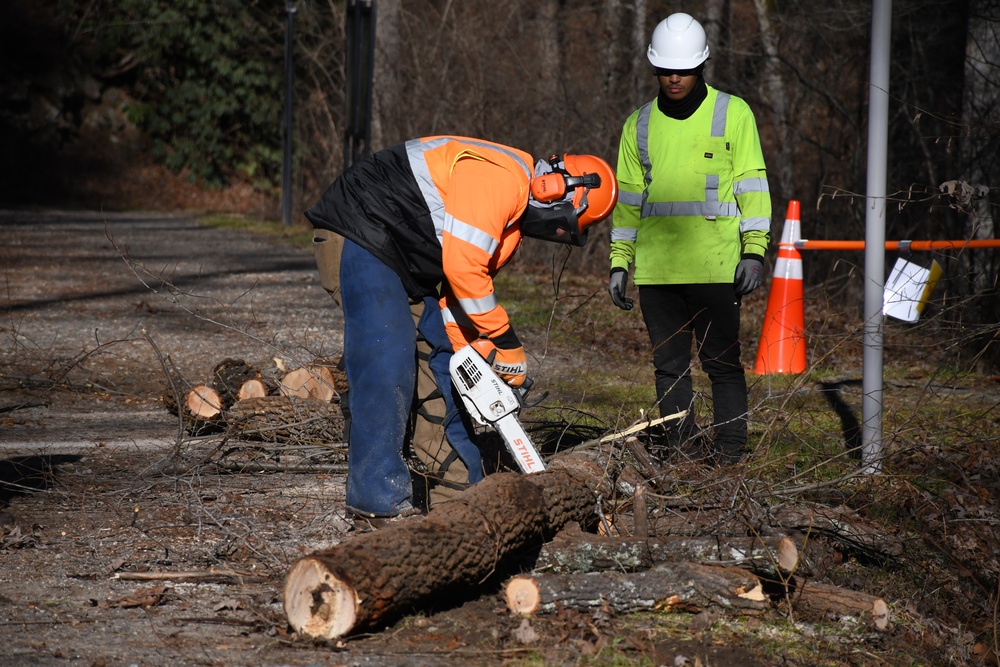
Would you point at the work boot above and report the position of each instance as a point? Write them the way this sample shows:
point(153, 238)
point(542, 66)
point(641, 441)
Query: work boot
point(730, 455)
point(668, 446)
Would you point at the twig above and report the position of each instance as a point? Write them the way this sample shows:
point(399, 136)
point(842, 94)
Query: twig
point(253, 466)
point(627, 432)
point(215, 576)
point(22, 406)
point(173, 388)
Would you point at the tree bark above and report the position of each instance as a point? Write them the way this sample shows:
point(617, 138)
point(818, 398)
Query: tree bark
point(678, 587)
point(575, 552)
point(816, 601)
point(285, 418)
point(229, 376)
point(485, 531)
point(841, 525)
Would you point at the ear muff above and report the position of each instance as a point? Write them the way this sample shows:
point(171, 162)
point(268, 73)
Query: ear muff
point(549, 187)
point(554, 185)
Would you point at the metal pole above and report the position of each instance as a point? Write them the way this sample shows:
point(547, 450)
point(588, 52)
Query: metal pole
point(875, 202)
point(286, 167)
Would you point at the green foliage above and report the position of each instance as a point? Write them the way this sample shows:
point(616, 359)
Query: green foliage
point(208, 81)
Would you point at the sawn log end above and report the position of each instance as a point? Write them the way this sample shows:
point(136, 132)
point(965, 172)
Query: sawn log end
point(317, 603)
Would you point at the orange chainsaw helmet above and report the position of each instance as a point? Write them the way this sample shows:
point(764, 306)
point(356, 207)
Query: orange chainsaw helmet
point(569, 193)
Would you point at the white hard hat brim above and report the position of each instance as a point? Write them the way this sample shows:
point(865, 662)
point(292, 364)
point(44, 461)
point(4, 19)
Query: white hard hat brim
point(676, 63)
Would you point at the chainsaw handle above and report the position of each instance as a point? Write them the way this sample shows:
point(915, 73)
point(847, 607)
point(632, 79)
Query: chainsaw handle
point(522, 394)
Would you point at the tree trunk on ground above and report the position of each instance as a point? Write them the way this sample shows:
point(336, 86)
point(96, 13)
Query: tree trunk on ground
point(485, 531)
point(573, 551)
point(839, 524)
point(815, 601)
point(678, 587)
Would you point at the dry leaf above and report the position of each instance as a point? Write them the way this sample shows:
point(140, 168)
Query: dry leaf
point(144, 597)
point(525, 633)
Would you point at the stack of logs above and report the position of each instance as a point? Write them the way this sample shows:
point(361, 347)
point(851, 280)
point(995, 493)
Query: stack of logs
point(302, 404)
point(537, 531)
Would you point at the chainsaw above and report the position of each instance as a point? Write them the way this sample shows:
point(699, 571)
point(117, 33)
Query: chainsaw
point(492, 402)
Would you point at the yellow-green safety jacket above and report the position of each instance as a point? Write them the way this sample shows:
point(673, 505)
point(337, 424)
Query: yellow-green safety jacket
point(692, 193)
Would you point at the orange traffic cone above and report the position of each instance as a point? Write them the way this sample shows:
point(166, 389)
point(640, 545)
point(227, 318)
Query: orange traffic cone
point(782, 346)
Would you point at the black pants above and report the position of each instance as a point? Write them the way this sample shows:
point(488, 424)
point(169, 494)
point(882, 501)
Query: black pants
point(711, 314)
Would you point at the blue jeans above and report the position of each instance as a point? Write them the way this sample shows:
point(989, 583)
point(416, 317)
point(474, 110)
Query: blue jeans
point(380, 362)
point(457, 426)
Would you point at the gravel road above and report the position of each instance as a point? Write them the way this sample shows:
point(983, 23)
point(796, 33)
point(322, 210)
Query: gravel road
point(105, 300)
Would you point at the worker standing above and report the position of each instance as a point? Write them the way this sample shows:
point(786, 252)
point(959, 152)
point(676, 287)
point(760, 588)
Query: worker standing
point(693, 217)
point(432, 220)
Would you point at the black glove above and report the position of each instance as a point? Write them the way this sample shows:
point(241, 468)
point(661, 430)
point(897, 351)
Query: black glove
point(749, 274)
point(616, 288)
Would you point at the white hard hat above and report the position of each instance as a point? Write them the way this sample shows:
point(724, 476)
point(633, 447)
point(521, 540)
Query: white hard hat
point(678, 42)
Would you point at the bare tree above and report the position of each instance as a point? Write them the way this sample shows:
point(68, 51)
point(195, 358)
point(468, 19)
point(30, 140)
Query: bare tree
point(385, 93)
point(981, 117)
point(775, 90)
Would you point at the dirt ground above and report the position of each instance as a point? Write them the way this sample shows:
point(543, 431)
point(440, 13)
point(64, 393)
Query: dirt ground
point(96, 307)
point(117, 548)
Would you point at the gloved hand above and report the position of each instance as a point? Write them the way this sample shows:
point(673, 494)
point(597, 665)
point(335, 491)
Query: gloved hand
point(506, 355)
point(749, 274)
point(616, 288)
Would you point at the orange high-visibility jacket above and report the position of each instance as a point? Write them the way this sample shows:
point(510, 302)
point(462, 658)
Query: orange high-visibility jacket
point(442, 212)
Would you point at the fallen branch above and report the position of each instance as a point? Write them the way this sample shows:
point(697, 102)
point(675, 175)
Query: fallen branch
point(212, 576)
point(618, 435)
point(251, 467)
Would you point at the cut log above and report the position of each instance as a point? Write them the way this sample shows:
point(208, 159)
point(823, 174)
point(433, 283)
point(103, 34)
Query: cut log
point(573, 551)
point(228, 376)
point(840, 524)
point(254, 388)
point(816, 601)
point(203, 402)
point(483, 532)
point(309, 382)
point(287, 419)
point(678, 587)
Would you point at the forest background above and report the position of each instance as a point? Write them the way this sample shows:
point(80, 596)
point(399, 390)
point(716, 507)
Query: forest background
point(118, 103)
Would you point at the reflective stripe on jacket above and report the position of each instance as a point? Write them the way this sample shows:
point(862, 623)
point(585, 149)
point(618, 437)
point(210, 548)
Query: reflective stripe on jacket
point(693, 194)
point(440, 211)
